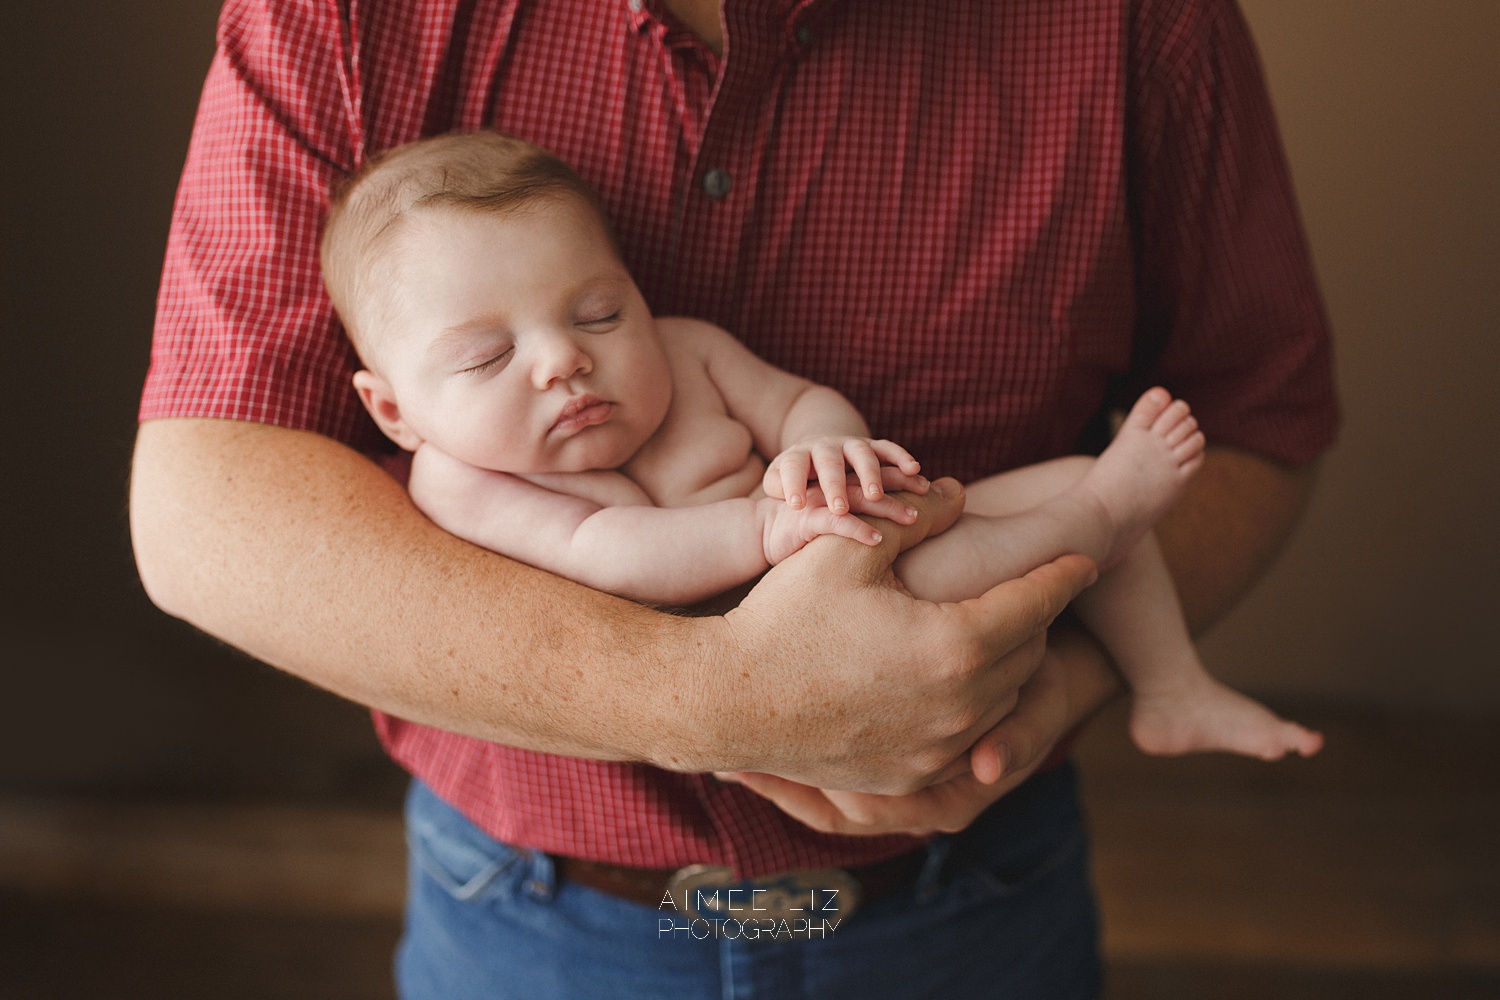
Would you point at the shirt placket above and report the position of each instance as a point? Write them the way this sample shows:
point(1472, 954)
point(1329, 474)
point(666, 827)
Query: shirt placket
point(716, 195)
point(714, 199)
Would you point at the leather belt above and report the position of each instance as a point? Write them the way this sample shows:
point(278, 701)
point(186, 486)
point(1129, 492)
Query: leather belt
point(706, 892)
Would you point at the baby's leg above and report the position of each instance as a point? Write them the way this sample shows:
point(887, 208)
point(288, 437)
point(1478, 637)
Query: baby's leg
point(1177, 708)
point(1132, 610)
point(1099, 508)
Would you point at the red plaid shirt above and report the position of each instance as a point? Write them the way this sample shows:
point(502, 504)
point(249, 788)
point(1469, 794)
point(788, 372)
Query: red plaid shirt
point(985, 222)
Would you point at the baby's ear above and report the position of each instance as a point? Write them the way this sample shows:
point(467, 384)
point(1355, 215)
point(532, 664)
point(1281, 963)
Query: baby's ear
point(375, 392)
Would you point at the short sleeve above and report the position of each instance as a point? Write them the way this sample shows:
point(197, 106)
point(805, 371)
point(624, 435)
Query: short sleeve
point(244, 329)
point(1229, 313)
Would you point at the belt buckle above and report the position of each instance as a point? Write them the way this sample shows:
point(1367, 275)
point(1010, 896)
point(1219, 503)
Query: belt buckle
point(804, 897)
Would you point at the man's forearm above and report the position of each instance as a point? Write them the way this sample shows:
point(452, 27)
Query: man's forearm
point(1228, 527)
point(304, 554)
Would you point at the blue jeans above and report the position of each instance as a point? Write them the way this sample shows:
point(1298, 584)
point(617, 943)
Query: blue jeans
point(1005, 910)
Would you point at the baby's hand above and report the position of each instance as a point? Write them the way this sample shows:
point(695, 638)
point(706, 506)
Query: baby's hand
point(785, 529)
point(839, 463)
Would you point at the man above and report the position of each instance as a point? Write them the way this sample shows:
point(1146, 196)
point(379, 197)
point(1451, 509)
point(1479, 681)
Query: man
point(1074, 198)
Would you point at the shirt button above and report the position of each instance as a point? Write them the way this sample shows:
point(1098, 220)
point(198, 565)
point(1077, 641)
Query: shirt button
point(716, 183)
point(804, 36)
point(635, 5)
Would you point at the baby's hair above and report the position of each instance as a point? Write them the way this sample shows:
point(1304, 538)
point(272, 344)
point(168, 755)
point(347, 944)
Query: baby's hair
point(475, 171)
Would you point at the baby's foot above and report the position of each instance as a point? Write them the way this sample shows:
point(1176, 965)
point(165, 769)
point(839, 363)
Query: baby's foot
point(1142, 472)
point(1206, 715)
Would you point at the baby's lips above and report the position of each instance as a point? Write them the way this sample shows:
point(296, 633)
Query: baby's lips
point(585, 411)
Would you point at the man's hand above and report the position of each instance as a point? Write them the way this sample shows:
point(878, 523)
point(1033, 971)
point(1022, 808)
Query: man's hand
point(1223, 532)
point(835, 676)
point(1073, 682)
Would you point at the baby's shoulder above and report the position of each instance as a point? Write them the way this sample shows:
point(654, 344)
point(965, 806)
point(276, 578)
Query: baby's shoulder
point(684, 337)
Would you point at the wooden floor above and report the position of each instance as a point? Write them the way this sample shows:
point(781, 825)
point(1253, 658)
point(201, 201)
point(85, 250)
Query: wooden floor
point(1370, 872)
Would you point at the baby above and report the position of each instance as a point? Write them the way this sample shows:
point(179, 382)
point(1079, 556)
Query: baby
point(554, 420)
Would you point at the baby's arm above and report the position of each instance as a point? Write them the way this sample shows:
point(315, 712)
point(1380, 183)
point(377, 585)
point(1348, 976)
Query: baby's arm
point(809, 430)
point(661, 555)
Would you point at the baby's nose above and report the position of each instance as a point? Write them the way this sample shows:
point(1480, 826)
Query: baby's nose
point(561, 357)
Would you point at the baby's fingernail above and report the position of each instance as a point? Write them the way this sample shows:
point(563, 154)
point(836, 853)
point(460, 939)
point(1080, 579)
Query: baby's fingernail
point(874, 491)
point(911, 512)
point(878, 537)
point(922, 482)
point(838, 506)
point(794, 501)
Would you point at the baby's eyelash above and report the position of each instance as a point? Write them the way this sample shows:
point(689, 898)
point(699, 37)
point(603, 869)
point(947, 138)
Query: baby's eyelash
point(486, 365)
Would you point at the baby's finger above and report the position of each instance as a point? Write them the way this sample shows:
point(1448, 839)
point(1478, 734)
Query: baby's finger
point(892, 453)
point(885, 506)
point(794, 469)
point(771, 482)
point(828, 523)
point(860, 457)
point(893, 478)
point(829, 464)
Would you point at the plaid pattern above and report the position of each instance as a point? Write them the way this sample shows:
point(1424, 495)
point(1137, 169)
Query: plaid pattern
point(985, 222)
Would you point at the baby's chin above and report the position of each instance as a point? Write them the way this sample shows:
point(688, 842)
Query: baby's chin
point(596, 459)
point(592, 451)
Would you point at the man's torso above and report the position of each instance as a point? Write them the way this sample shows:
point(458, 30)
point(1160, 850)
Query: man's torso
point(960, 215)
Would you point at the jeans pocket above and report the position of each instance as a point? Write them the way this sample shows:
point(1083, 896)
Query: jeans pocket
point(459, 857)
point(1007, 878)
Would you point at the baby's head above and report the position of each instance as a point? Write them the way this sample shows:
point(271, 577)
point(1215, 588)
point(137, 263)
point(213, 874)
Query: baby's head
point(479, 283)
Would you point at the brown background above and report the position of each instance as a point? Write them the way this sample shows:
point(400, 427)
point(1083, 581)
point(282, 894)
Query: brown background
point(1385, 598)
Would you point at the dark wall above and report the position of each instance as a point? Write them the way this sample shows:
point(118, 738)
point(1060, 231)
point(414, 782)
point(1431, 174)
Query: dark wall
point(102, 691)
point(1391, 116)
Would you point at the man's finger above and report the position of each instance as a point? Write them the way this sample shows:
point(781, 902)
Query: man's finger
point(803, 803)
point(1019, 741)
point(1017, 608)
point(937, 509)
point(867, 565)
point(1013, 745)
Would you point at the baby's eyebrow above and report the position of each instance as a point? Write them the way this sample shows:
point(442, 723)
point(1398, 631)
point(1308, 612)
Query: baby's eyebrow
point(456, 341)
